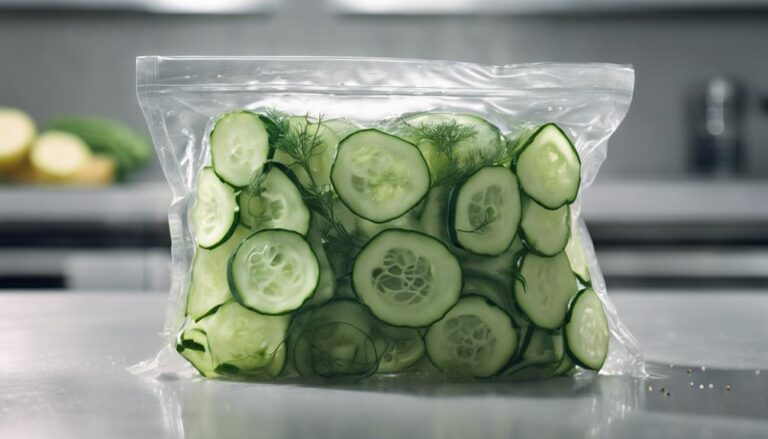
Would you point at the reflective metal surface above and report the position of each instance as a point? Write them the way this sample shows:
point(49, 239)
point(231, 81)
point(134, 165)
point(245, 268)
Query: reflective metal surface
point(62, 374)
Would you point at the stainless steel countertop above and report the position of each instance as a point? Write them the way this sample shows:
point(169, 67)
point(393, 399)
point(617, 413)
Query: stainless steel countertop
point(64, 356)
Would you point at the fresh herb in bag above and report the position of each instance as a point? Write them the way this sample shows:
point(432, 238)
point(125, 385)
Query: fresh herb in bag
point(340, 218)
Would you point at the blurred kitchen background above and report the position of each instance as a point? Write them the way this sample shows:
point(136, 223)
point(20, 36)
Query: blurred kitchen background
point(682, 200)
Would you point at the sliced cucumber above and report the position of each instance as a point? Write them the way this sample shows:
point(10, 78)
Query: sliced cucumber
point(543, 288)
point(273, 201)
point(485, 139)
point(369, 229)
point(566, 365)
point(475, 338)
point(342, 127)
point(326, 283)
point(402, 347)
point(192, 344)
point(541, 354)
point(379, 176)
point(407, 278)
point(273, 271)
point(434, 217)
point(500, 268)
point(246, 342)
point(586, 330)
point(322, 154)
point(488, 288)
point(548, 167)
point(335, 340)
point(208, 286)
point(239, 146)
point(485, 211)
point(545, 231)
point(575, 252)
point(214, 215)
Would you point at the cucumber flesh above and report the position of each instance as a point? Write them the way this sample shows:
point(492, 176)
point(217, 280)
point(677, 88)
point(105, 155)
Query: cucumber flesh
point(192, 344)
point(485, 211)
point(402, 348)
point(545, 231)
point(239, 147)
point(244, 341)
point(273, 271)
point(215, 213)
point(322, 158)
point(379, 176)
point(548, 167)
point(543, 287)
point(274, 201)
point(208, 287)
point(407, 278)
point(474, 339)
point(586, 330)
point(335, 340)
point(575, 251)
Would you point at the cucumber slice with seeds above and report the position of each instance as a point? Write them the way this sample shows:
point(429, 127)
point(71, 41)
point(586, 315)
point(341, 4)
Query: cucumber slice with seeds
point(273, 201)
point(485, 211)
point(239, 147)
point(246, 342)
point(548, 167)
point(543, 288)
point(586, 330)
point(273, 271)
point(379, 176)
point(214, 215)
point(406, 278)
point(545, 231)
point(475, 339)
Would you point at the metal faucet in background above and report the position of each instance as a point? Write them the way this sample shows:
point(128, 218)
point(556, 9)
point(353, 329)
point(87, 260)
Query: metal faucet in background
point(717, 143)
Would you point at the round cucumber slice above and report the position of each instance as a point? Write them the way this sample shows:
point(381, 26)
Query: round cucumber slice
point(273, 271)
point(18, 133)
point(379, 176)
point(244, 341)
point(586, 330)
point(273, 201)
point(474, 339)
point(485, 141)
point(214, 215)
point(485, 211)
point(549, 167)
point(545, 231)
point(335, 340)
point(407, 278)
point(543, 288)
point(239, 146)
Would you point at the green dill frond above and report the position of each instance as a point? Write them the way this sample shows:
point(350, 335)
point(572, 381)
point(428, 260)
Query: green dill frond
point(445, 135)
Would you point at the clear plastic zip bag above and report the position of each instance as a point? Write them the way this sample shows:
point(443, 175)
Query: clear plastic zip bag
point(354, 217)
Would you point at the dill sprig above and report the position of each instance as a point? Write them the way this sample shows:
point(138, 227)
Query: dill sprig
point(449, 166)
point(301, 143)
point(338, 242)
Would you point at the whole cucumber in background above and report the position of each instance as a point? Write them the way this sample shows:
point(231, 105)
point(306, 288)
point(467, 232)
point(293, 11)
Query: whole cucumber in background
point(109, 137)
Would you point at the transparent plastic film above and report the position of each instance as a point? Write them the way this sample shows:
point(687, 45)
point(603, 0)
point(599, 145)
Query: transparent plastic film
point(353, 218)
